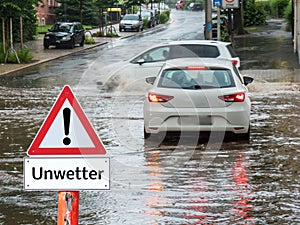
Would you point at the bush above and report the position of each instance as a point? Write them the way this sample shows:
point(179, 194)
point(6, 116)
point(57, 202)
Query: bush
point(89, 40)
point(145, 24)
point(164, 17)
point(24, 56)
point(278, 7)
point(255, 14)
point(288, 15)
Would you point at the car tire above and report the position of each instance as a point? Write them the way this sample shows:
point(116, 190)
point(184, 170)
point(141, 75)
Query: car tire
point(155, 138)
point(72, 44)
point(46, 46)
point(82, 42)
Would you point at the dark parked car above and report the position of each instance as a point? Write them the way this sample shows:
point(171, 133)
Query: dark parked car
point(65, 34)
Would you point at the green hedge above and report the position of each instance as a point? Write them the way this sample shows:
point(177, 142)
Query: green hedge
point(255, 13)
point(278, 7)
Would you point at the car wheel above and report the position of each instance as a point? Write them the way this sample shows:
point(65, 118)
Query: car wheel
point(46, 46)
point(155, 138)
point(82, 42)
point(72, 44)
point(146, 135)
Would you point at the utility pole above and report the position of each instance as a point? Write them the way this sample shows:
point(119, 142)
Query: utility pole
point(208, 18)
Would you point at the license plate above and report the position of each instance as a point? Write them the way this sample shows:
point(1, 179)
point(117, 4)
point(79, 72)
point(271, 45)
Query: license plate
point(194, 120)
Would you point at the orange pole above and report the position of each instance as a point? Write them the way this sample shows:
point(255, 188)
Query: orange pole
point(68, 207)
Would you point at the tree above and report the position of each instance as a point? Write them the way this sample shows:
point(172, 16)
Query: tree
point(77, 10)
point(15, 9)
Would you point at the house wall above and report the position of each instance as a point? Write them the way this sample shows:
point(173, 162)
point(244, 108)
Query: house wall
point(45, 12)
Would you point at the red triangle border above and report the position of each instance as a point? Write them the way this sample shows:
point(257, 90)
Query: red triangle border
point(35, 148)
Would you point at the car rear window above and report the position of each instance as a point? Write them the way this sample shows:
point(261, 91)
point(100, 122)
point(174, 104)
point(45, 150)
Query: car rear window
point(196, 79)
point(192, 51)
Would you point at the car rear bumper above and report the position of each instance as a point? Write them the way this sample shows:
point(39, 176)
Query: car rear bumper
point(234, 119)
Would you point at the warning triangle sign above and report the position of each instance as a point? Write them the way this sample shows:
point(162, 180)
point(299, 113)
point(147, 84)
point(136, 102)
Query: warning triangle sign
point(66, 130)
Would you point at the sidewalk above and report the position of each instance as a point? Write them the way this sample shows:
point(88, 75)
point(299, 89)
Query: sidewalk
point(41, 55)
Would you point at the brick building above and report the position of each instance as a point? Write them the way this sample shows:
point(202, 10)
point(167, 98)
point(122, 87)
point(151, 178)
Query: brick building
point(45, 12)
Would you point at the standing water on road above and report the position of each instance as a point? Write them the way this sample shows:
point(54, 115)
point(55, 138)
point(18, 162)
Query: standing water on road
point(174, 183)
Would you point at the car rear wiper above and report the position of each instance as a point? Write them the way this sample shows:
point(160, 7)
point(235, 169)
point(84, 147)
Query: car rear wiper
point(195, 86)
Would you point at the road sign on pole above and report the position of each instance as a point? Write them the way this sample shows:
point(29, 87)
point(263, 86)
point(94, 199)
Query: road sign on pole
point(66, 130)
point(217, 3)
point(227, 4)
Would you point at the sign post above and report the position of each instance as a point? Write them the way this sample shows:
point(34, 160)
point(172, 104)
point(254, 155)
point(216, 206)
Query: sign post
point(66, 154)
point(68, 204)
point(218, 4)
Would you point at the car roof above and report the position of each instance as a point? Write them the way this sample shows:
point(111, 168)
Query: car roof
point(202, 42)
point(192, 42)
point(184, 42)
point(207, 62)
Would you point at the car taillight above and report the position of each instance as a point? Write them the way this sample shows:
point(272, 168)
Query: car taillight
point(238, 97)
point(158, 98)
point(235, 61)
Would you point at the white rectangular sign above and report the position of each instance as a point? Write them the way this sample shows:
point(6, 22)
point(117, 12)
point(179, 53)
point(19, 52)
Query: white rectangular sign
point(89, 173)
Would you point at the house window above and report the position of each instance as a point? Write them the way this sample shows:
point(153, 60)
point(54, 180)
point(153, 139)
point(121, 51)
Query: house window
point(43, 21)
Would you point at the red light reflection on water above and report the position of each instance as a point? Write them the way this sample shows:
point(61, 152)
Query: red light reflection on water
point(243, 189)
point(196, 205)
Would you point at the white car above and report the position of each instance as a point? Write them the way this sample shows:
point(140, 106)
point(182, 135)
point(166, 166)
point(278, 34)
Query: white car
point(150, 61)
point(195, 95)
point(131, 22)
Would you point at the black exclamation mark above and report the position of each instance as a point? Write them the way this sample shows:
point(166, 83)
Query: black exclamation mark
point(67, 116)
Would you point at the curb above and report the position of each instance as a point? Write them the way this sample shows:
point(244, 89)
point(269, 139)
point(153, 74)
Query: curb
point(25, 66)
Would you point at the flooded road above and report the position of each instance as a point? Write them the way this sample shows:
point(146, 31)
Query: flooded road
point(178, 182)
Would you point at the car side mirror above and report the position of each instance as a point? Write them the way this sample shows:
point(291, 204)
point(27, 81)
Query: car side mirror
point(150, 80)
point(247, 80)
point(141, 61)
